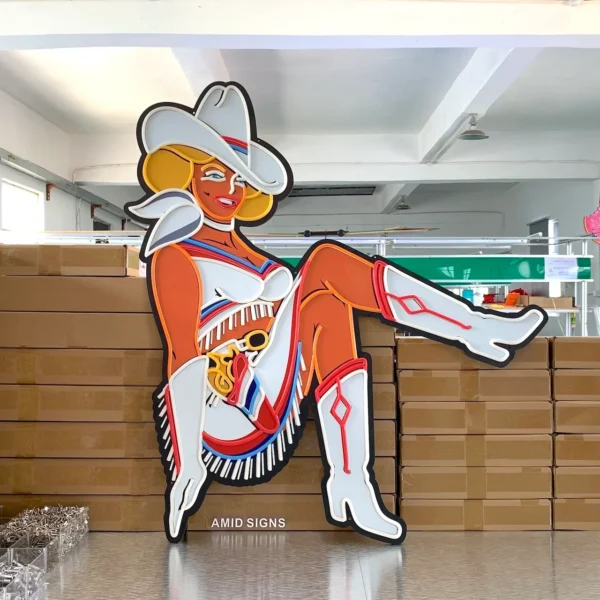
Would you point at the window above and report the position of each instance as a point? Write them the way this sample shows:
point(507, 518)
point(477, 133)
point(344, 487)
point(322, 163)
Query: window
point(22, 208)
point(101, 226)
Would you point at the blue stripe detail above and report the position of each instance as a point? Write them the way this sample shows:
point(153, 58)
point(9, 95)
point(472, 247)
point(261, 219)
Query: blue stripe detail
point(239, 149)
point(233, 257)
point(251, 396)
point(212, 307)
point(270, 440)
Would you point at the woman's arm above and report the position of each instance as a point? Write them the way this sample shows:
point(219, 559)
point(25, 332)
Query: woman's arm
point(177, 291)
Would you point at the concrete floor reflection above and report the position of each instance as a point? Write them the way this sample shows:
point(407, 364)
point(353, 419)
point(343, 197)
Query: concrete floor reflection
point(337, 566)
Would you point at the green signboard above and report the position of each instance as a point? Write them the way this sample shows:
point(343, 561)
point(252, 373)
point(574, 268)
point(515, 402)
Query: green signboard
point(481, 269)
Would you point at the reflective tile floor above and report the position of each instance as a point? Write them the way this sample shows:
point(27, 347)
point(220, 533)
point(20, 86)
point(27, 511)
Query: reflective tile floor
point(340, 566)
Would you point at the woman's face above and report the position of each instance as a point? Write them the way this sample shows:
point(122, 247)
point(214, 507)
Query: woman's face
point(219, 190)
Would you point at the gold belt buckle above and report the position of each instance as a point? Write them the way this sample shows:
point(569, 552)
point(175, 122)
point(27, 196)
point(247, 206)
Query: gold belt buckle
point(220, 375)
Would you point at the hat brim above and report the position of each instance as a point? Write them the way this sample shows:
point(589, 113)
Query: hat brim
point(168, 126)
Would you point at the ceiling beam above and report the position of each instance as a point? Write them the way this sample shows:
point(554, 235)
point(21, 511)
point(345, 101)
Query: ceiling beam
point(201, 66)
point(274, 24)
point(487, 75)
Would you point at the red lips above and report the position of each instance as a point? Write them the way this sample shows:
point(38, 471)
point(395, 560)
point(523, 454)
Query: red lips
point(227, 201)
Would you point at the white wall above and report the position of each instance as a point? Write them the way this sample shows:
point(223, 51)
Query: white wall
point(29, 136)
point(62, 212)
point(567, 201)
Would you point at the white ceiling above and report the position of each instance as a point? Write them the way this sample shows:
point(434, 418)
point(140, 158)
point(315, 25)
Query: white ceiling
point(103, 90)
point(560, 90)
point(93, 90)
point(363, 91)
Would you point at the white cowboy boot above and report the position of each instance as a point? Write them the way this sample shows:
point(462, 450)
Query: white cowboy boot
point(414, 303)
point(343, 409)
point(187, 390)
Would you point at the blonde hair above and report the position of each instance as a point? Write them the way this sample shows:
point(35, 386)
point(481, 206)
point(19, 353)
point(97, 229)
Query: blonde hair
point(172, 167)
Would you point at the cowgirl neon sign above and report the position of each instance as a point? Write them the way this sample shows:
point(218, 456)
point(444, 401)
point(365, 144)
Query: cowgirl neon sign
point(246, 338)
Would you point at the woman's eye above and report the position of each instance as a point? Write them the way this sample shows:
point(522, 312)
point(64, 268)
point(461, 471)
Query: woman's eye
point(240, 182)
point(213, 176)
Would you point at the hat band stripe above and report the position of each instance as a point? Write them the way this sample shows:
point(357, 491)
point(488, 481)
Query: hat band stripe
point(236, 144)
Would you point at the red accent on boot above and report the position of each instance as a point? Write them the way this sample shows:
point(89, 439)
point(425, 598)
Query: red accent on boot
point(384, 304)
point(380, 293)
point(340, 409)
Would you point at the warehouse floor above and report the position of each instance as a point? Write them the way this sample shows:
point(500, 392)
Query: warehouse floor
point(340, 566)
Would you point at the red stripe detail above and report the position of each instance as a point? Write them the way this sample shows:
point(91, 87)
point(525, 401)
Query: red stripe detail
point(235, 141)
point(238, 368)
point(173, 431)
point(196, 252)
point(348, 367)
point(402, 300)
point(342, 420)
point(335, 378)
point(379, 289)
point(382, 300)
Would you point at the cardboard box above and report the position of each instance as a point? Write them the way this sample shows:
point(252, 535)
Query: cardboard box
point(577, 417)
point(576, 384)
point(577, 450)
point(577, 482)
point(546, 302)
point(273, 512)
point(385, 405)
point(131, 440)
point(79, 330)
point(76, 403)
point(140, 477)
point(420, 353)
point(577, 514)
point(576, 353)
point(476, 450)
point(117, 404)
point(81, 367)
point(473, 386)
point(74, 294)
point(476, 515)
point(459, 418)
point(375, 333)
point(466, 483)
point(382, 364)
point(99, 260)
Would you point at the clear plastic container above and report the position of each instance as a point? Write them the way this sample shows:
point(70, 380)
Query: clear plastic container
point(35, 561)
point(13, 581)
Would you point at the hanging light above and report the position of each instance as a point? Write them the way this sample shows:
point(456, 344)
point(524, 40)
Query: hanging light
point(473, 133)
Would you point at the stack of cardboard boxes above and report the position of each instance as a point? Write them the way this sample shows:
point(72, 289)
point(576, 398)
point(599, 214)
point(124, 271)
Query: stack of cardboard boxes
point(80, 356)
point(378, 341)
point(577, 443)
point(476, 444)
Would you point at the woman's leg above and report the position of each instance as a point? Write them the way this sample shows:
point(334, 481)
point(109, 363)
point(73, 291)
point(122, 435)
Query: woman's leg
point(343, 417)
point(409, 301)
point(177, 293)
point(336, 281)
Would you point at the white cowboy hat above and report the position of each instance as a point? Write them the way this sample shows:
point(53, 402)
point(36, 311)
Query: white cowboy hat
point(220, 127)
